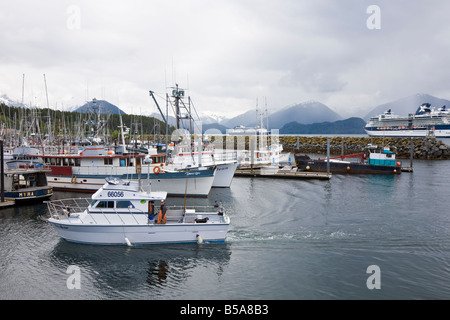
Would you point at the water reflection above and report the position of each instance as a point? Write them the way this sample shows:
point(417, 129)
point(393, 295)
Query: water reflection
point(122, 271)
point(157, 273)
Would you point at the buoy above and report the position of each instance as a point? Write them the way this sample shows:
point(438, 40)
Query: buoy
point(348, 168)
point(199, 238)
point(398, 163)
point(307, 167)
point(128, 242)
point(395, 170)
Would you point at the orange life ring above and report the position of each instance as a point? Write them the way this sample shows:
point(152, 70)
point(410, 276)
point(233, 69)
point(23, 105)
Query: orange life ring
point(156, 170)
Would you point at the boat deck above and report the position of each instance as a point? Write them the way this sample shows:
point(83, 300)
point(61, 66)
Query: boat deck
point(286, 174)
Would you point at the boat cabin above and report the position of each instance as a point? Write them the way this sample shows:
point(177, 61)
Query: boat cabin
point(381, 156)
point(123, 195)
point(98, 160)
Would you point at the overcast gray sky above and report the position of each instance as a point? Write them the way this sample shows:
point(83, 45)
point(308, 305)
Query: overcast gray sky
point(226, 53)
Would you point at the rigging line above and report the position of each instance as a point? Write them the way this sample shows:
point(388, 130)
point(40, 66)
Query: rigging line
point(190, 114)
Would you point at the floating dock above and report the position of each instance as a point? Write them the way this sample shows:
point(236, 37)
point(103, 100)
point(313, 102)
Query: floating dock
point(285, 174)
point(7, 203)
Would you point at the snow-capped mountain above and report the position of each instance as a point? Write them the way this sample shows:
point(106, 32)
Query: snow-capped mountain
point(4, 99)
point(208, 117)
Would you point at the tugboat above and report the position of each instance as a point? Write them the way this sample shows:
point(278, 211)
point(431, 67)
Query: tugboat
point(122, 213)
point(25, 177)
point(378, 160)
point(27, 183)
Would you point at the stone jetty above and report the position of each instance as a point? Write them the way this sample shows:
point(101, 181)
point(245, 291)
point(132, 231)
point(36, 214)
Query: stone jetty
point(424, 148)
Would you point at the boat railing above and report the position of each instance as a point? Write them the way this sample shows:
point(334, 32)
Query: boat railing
point(65, 208)
point(60, 209)
point(198, 209)
point(106, 212)
point(193, 214)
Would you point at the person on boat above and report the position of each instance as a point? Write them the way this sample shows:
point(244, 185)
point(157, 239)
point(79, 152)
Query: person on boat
point(151, 210)
point(162, 213)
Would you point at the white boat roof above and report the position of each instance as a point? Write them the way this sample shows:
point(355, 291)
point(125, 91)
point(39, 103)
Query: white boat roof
point(118, 189)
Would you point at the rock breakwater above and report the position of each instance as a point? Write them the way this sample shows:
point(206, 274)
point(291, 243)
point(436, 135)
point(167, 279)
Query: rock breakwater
point(424, 148)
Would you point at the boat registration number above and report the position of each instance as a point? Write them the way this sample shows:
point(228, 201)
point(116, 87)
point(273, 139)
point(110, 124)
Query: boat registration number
point(115, 193)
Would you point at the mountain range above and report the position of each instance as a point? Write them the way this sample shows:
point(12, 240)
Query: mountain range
point(348, 126)
point(315, 117)
point(305, 117)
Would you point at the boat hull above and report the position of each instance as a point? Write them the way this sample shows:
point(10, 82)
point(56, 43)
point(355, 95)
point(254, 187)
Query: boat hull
point(347, 167)
point(198, 184)
point(140, 234)
point(224, 175)
point(408, 133)
point(29, 194)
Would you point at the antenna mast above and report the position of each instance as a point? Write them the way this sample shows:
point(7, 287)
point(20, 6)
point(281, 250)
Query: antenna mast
point(49, 123)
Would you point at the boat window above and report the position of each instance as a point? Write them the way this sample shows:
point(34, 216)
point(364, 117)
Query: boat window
point(108, 161)
point(122, 163)
point(124, 204)
point(77, 162)
point(105, 204)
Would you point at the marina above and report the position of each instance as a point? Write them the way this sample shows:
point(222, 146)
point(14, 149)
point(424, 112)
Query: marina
point(224, 158)
point(187, 218)
point(322, 233)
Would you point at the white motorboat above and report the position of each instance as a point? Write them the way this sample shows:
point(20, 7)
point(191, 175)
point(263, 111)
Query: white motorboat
point(120, 213)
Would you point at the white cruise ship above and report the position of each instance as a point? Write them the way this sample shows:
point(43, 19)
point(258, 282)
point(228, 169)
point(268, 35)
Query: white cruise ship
point(427, 121)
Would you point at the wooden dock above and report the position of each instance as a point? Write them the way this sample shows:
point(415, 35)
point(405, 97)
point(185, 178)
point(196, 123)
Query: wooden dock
point(284, 174)
point(7, 203)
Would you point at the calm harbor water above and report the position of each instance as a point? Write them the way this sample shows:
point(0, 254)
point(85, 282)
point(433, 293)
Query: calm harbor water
point(288, 240)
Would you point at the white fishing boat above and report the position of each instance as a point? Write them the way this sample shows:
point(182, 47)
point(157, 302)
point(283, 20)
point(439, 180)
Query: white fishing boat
point(188, 156)
point(266, 149)
point(21, 156)
point(87, 170)
point(122, 213)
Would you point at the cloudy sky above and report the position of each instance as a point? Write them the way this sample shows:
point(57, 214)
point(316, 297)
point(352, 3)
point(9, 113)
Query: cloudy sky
point(227, 54)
